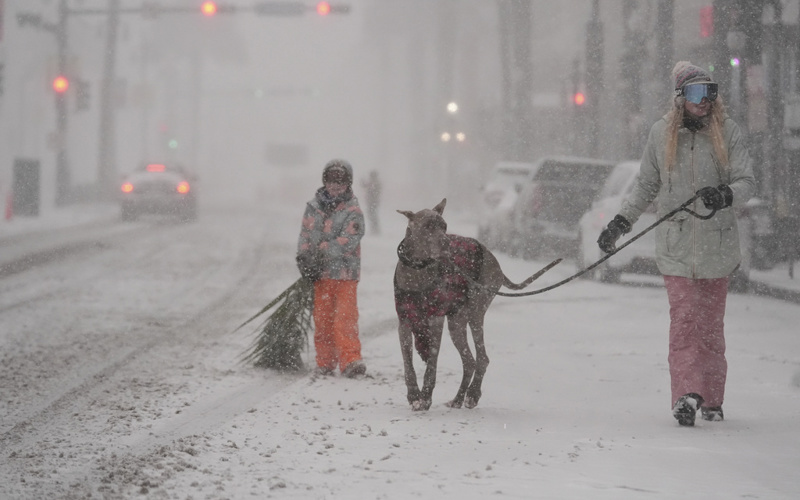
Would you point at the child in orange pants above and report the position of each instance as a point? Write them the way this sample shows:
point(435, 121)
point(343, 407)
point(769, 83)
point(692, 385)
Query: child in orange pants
point(329, 254)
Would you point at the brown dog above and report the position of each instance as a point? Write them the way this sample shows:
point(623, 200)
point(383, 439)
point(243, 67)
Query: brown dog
point(443, 275)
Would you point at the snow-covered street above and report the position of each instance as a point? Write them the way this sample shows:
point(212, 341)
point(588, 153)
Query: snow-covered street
point(120, 379)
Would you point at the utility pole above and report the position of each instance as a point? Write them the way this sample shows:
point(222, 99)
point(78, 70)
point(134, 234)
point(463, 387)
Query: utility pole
point(665, 26)
point(523, 114)
point(106, 162)
point(63, 178)
point(722, 56)
point(632, 61)
point(594, 75)
point(59, 31)
point(776, 43)
point(517, 74)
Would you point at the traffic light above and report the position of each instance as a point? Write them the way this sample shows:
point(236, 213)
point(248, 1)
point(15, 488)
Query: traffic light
point(706, 21)
point(325, 8)
point(60, 84)
point(579, 98)
point(209, 8)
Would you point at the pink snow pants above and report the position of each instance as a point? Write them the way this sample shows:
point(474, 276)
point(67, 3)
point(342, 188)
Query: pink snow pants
point(696, 337)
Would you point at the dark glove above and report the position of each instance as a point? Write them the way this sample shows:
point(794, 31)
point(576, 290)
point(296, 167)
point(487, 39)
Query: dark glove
point(618, 226)
point(310, 265)
point(715, 198)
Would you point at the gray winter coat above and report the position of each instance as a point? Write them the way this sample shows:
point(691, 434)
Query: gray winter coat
point(685, 245)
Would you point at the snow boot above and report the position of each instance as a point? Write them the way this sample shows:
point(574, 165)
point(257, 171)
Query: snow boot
point(686, 407)
point(355, 369)
point(712, 414)
point(322, 371)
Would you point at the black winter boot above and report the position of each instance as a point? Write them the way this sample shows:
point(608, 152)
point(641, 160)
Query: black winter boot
point(686, 407)
point(712, 414)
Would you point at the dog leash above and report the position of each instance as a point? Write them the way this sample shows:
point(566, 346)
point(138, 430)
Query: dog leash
point(682, 208)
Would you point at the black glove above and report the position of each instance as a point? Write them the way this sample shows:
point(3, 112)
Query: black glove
point(715, 198)
point(310, 265)
point(618, 226)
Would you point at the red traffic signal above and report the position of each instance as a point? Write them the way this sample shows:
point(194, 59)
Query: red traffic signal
point(208, 8)
point(60, 84)
point(579, 98)
point(323, 8)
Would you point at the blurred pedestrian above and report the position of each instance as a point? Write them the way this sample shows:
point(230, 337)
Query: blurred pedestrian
point(694, 149)
point(372, 186)
point(329, 254)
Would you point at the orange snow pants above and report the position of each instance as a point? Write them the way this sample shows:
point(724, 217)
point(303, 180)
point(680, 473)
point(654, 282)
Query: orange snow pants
point(336, 323)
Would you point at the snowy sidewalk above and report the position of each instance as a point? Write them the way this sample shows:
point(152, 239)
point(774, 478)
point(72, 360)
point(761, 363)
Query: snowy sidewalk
point(58, 218)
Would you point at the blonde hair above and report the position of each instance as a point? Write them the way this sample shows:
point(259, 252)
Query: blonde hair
point(715, 129)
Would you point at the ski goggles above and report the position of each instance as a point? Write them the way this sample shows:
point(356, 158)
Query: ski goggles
point(695, 92)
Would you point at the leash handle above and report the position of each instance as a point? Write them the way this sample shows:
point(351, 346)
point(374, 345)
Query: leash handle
point(683, 207)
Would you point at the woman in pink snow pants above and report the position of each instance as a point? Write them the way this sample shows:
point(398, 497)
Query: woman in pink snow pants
point(695, 149)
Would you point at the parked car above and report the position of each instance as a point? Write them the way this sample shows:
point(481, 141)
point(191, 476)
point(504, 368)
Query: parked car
point(157, 188)
point(639, 257)
point(548, 208)
point(498, 196)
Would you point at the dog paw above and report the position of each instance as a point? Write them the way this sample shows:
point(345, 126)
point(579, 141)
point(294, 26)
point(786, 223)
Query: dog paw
point(421, 405)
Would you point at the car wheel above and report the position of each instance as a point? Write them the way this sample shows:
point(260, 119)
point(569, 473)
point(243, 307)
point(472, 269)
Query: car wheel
point(739, 282)
point(608, 274)
point(761, 258)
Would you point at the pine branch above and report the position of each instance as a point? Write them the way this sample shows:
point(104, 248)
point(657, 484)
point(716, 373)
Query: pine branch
point(284, 334)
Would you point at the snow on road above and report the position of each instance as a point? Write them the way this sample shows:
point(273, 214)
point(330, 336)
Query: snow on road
point(575, 402)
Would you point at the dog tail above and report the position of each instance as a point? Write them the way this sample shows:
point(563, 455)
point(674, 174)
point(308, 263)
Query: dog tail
point(519, 286)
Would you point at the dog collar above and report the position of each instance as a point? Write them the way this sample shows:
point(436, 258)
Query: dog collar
point(414, 264)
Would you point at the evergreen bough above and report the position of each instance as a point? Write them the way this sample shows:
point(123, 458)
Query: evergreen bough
point(284, 334)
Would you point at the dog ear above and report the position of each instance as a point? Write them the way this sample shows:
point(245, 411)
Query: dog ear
point(440, 207)
point(407, 213)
